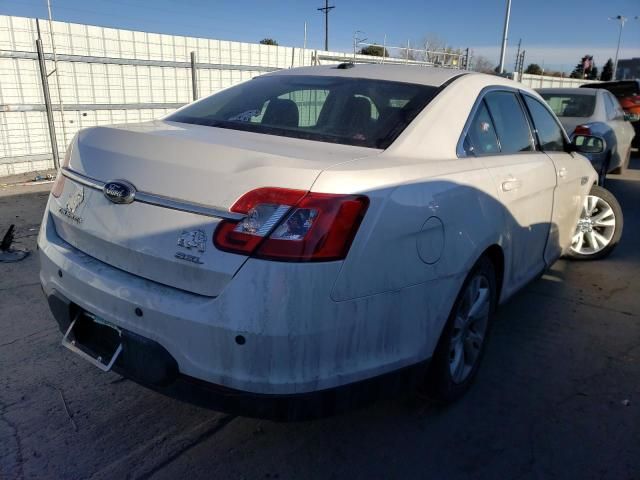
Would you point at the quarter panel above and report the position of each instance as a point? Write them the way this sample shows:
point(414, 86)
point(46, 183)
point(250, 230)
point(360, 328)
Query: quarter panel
point(385, 254)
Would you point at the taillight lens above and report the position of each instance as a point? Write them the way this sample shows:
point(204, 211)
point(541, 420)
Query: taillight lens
point(293, 225)
point(58, 184)
point(582, 130)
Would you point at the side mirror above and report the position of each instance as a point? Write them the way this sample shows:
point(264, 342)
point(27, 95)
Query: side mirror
point(588, 144)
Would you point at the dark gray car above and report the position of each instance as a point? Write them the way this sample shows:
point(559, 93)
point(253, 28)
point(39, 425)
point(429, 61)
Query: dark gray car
point(595, 112)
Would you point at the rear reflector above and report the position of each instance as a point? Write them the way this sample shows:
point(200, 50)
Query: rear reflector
point(292, 225)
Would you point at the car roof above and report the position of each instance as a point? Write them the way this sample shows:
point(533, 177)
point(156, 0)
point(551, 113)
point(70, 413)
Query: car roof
point(433, 76)
point(575, 90)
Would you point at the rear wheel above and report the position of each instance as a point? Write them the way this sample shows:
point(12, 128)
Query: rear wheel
point(462, 343)
point(599, 228)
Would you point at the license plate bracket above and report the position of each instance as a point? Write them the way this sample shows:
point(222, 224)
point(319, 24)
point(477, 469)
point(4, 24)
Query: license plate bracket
point(104, 357)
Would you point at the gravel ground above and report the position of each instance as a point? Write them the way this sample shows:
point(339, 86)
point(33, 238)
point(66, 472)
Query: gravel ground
point(558, 394)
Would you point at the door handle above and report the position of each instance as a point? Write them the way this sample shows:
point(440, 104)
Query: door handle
point(511, 184)
point(562, 173)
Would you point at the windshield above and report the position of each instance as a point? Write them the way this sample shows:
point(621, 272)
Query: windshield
point(351, 111)
point(571, 104)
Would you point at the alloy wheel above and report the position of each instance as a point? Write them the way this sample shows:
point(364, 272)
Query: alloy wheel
point(470, 328)
point(596, 226)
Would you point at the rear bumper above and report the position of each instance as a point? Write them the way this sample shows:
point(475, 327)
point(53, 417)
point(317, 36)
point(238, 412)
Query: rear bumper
point(295, 339)
point(151, 365)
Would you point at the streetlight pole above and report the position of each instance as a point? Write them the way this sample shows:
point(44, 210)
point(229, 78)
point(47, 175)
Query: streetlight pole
point(622, 20)
point(505, 33)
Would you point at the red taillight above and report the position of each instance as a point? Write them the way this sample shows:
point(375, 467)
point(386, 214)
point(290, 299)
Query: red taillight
point(264, 208)
point(582, 130)
point(292, 225)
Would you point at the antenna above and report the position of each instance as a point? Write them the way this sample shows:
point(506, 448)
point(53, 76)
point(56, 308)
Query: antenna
point(326, 10)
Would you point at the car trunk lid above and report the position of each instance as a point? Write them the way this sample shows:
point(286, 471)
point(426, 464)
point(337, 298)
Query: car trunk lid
point(181, 173)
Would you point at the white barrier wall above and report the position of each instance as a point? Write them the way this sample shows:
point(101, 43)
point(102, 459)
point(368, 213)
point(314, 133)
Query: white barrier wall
point(544, 81)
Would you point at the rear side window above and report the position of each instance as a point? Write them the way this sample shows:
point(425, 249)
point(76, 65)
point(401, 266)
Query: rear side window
point(549, 131)
point(510, 122)
point(481, 135)
point(617, 112)
point(609, 106)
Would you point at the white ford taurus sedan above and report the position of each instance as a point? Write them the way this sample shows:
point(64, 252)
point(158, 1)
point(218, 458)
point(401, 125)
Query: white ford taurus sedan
point(316, 235)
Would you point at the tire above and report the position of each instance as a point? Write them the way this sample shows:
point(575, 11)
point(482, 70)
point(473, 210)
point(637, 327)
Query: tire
point(599, 228)
point(445, 383)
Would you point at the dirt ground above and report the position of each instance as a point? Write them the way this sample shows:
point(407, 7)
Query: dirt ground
point(558, 394)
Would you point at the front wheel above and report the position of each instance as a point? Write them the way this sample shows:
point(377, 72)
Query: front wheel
point(599, 228)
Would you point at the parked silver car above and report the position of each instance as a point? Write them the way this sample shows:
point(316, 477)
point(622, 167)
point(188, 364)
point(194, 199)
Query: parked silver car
point(594, 112)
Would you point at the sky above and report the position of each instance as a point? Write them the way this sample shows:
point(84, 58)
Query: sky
point(554, 33)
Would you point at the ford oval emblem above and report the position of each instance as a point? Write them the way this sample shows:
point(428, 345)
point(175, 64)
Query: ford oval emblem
point(119, 191)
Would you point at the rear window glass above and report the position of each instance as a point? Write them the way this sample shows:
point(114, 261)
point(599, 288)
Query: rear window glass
point(351, 111)
point(570, 104)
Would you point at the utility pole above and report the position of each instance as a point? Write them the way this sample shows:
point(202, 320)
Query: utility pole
point(505, 33)
point(326, 10)
point(518, 54)
point(622, 20)
point(357, 41)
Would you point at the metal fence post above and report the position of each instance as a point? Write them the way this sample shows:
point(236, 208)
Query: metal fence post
point(47, 104)
point(194, 76)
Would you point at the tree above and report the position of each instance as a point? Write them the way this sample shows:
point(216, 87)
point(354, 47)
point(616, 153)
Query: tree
point(607, 71)
point(534, 69)
point(585, 69)
point(268, 41)
point(374, 50)
point(482, 64)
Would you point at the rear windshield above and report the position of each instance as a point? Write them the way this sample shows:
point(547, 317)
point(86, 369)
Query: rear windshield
point(571, 104)
point(619, 89)
point(351, 111)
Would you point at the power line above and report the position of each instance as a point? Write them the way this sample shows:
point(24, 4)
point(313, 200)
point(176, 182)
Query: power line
point(326, 10)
